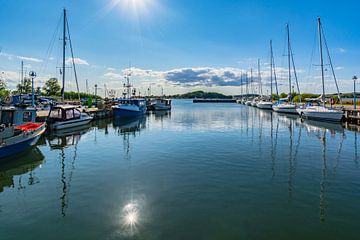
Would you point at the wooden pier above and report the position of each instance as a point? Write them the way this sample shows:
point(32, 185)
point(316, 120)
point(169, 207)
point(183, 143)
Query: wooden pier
point(352, 116)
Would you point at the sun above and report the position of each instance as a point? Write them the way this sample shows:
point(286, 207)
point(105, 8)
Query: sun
point(138, 8)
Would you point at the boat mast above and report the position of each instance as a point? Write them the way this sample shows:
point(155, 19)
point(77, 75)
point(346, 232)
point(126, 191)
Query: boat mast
point(241, 84)
point(22, 77)
point(63, 63)
point(321, 61)
point(289, 57)
point(271, 71)
point(251, 80)
point(259, 76)
point(247, 84)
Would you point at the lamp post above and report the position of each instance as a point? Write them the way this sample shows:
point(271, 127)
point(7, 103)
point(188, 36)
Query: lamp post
point(354, 78)
point(96, 87)
point(32, 75)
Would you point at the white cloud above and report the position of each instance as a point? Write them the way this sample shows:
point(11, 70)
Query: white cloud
point(339, 68)
point(11, 78)
point(341, 50)
point(77, 61)
point(113, 76)
point(111, 69)
point(30, 59)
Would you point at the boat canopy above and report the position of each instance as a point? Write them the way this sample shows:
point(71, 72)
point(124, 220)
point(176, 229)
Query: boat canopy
point(64, 113)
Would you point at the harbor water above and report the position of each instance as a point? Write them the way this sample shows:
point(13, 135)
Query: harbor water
point(203, 171)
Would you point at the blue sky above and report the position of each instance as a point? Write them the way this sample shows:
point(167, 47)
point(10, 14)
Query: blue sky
point(180, 45)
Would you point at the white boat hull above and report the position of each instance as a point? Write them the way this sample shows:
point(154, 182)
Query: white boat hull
point(71, 123)
point(265, 105)
point(321, 114)
point(285, 108)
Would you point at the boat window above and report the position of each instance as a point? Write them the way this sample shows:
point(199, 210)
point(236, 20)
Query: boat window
point(77, 113)
point(7, 117)
point(27, 117)
point(55, 113)
point(70, 114)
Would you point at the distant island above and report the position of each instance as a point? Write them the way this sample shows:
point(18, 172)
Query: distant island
point(201, 94)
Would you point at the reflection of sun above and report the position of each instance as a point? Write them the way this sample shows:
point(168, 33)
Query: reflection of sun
point(131, 215)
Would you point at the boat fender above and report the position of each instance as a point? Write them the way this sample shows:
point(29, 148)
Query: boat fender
point(7, 99)
point(2, 127)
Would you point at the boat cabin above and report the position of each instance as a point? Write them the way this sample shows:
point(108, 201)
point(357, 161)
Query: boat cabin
point(61, 113)
point(17, 116)
point(137, 102)
point(166, 102)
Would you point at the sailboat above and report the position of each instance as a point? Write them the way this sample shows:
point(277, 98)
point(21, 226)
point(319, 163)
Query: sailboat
point(315, 110)
point(265, 102)
point(67, 116)
point(285, 105)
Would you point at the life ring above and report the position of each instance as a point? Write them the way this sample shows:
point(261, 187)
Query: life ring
point(7, 99)
point(2, 127)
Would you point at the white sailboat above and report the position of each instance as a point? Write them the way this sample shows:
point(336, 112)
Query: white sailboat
point(67, 116)
point(265, 102)
point(285, 105)
point(317, 111)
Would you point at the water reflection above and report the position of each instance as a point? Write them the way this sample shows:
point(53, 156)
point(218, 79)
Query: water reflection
point(22, 165)
point(320, 132)
point(60, 140)
point(130, 214)
point(133, 125)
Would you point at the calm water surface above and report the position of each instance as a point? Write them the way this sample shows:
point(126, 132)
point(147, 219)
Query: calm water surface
point(203, 171)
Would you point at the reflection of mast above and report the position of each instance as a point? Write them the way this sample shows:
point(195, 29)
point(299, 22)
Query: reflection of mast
point(356, 150)
point(274, 149)
point(63, 181)
point(323, 183)
point(66, 184)
point(291, 166)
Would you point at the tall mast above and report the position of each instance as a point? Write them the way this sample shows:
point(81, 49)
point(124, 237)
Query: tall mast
point(247, 84)
point(321, 61)
point(63, 64)
point(22, 76)
point(271, 70)
point(252, 82)
point(289, 56)
point(241, 85)
point(259, 76)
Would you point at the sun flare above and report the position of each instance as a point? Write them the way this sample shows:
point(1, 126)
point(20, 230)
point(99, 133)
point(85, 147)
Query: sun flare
point(134, 7)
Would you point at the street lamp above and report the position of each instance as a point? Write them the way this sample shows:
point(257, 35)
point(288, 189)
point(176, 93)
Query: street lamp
point(32, 75)
point(354, 78)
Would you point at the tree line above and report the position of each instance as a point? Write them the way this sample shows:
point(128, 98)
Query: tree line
point(51, 88)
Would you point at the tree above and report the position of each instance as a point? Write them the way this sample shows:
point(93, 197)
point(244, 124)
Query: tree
point(38, 91)
point(2, 85)
point(283, 95)
point(25, 87)
point(52, 87)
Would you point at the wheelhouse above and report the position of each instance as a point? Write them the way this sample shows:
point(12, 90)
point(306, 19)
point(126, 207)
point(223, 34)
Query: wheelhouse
point(17, 116)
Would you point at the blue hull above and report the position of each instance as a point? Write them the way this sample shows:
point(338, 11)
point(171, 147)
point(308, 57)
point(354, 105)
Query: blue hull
point(122, 113)
point(18, 147)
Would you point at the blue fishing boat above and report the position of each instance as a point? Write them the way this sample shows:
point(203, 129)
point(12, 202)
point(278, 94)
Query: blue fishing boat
point(18, 130)
point(129, 106)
